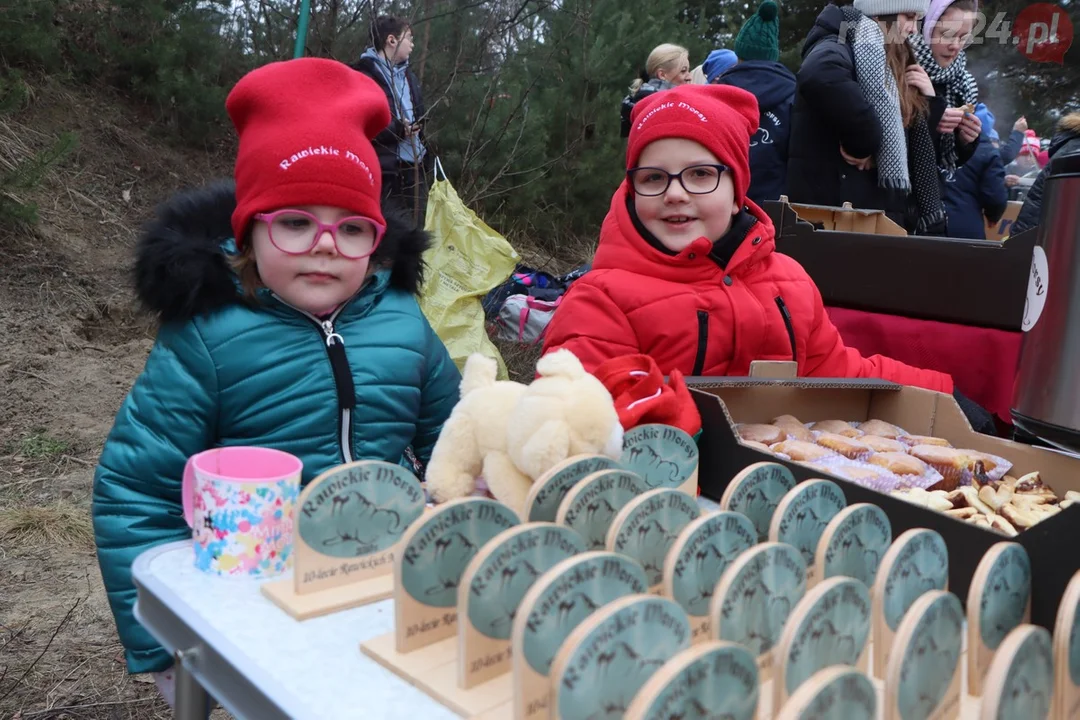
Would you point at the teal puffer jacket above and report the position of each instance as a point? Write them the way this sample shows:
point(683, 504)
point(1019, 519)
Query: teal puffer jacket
point(227, 373)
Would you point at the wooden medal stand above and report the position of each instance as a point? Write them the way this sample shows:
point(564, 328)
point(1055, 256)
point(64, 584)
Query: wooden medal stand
point(331, 512)
point(648, 525)
point(756, 491)
point(801, 623)
point(818, 695)
point(663, 455)
point(1022, 644)
point(904, 656)
point(545, 495)
point(559, 601)
point(979, 657)
point(892, 576)
point(642, 632)
point(435, 555)
point(590, 506)
point(841, 527)
point(719, 677)
point(697, 560)
point(1066, 692)
point(731, 590)
point(785, 520)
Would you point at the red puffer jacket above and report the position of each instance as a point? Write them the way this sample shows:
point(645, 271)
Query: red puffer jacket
point(691, 314)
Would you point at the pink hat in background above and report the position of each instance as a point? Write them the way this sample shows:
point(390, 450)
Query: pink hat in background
point(1031, 145)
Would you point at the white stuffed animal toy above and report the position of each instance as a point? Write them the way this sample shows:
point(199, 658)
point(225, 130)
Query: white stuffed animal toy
point(511, 434)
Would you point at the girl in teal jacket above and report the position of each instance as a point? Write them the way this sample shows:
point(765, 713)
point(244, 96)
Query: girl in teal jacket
point(288, 320)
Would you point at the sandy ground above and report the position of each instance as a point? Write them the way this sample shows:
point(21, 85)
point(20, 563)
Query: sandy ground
point(71, 343)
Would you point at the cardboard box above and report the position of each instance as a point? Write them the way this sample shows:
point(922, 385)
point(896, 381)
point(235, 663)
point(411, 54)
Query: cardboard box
point(1000, 230)
point(970, 282)
point(1051, 544)
point(846, 219)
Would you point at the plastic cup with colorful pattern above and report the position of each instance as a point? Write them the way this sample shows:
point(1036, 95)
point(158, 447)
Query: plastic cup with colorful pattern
point(240, 503)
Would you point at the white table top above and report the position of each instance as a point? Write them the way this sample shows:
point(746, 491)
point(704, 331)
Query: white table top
point(310, 669)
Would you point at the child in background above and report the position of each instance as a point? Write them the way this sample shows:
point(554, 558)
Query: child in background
point(289, 321)
point(686, 270)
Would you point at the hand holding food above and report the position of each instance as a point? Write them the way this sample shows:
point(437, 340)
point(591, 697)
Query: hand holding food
point(950, 120)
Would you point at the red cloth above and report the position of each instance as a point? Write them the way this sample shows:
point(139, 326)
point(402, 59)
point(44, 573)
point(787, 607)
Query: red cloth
point(720, 117)
point(641, 396)
point(981, 361)
point(305, 130)
point(685, 311)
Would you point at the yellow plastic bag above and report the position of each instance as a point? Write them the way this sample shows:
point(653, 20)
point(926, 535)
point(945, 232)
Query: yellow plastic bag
point(467, 259)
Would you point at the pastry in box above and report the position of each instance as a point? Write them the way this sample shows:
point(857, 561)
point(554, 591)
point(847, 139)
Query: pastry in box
point(794, 428)
point(801, 451)
point(759, 433)
point(848, 447)
point(882, 429)
point(837, 427)
point(883, 444)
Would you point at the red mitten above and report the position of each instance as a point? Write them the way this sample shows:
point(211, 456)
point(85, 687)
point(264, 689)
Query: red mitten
point(641, 396)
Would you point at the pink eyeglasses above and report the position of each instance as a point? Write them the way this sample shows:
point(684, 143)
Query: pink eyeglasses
point(296, 232)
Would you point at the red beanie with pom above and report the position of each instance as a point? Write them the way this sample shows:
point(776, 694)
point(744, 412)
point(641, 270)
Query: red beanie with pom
point(305, 129)
point(720, 117)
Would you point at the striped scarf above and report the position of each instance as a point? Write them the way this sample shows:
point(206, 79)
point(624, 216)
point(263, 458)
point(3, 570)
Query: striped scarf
point(906, 159)
point(960, 89)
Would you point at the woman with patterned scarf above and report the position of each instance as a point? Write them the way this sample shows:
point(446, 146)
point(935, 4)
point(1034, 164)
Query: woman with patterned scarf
point(864, 115)
point(946, 32)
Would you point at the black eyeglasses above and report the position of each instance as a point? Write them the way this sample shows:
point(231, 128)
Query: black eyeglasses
point(696, 179)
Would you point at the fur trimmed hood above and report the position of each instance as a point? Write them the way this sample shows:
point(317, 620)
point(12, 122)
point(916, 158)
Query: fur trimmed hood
point(1070, 123)
point(182, 271)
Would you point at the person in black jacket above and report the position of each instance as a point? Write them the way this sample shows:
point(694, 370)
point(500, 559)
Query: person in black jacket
point(975, 192)
point(1067, 140)
point(400, 146)
point(758, 72)
point(667, 66)
point(861, 126)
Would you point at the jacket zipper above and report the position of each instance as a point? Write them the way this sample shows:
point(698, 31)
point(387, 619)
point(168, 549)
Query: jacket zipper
point(339, 364)
point(787, 323)
point(702, 341)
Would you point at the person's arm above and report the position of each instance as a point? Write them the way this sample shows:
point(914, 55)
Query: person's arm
point(394, 133)
point(439, 395)
point(827, 356)
point(168, 416)
point(827, 83)
point(965, 150)
point(589, 324)
point(993, 196)
point(1011, 148)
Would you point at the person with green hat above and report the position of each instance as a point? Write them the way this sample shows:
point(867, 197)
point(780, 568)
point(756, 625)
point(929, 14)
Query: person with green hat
point(759, 72)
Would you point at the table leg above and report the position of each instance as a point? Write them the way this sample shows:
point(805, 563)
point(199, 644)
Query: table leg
point(192, 701)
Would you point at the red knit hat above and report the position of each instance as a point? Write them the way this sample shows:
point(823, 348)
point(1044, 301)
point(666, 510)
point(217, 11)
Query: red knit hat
point(305, 130)
point(720, 117)
point(641, 396)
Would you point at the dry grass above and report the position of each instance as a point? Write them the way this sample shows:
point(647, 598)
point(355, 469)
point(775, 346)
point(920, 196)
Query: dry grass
point(62, 524)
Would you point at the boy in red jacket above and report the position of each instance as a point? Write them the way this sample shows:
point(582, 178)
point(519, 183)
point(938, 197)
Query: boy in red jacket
point(686, 270)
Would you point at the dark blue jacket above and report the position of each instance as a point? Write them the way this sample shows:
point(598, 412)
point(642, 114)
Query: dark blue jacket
point(974, 190)
point(831, 111)
point(774, 87)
